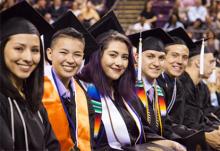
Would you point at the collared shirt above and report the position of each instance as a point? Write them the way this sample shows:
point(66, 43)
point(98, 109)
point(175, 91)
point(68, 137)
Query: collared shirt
point(147, 84)
point(197, 13)
point(62, 89)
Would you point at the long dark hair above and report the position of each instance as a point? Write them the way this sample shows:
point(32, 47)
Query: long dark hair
point(32, 86)
point(93, 72)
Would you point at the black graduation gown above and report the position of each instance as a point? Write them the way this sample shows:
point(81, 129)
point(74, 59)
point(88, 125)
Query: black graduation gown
point(176, 115)
point(194, 113)
point(40, 134)
point(217, 112)
point(189, 137)
point(218, 97)
point(101, 143)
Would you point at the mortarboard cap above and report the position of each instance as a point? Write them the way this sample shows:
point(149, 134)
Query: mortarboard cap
point(197, 49)
point(153, 39)
point(180, 33)
point(105, 24)
point(20, 18)
point(70, 20)
point(200, 49)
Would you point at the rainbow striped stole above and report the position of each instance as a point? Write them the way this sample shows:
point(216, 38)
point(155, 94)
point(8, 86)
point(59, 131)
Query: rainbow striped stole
point(160, 102)
point(97, 106)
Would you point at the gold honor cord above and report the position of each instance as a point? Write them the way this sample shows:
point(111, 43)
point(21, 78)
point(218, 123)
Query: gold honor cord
point(156, 109)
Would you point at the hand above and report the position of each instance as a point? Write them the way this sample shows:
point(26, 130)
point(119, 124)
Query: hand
point(171, 144)
point(212, 138)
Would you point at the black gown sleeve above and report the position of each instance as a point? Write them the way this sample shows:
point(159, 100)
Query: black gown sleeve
point(6, 142)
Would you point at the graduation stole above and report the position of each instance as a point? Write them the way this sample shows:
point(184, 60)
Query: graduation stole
point(96, 100)
point(59, 117)
point(93, 93)
point(159, 105)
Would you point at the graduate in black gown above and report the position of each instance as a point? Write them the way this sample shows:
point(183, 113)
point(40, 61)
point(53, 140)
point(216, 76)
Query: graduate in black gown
point(196, 98)
point(153, 57)
point(70, 112)
point(24, 121)
point(177, 54)
point(109, 79)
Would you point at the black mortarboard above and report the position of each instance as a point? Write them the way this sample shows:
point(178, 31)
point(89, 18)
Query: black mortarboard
point(200, 49)
point(70, 20)
point(106, 23)
point(154, 39)
point(197, 49)
point(180, 33)
point(20, 18)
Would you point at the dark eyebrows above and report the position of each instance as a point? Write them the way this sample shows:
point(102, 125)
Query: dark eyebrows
point(113, 51)
point(23, 45)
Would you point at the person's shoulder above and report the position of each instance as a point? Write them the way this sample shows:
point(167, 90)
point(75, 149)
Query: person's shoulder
point(184, 77)
point(160, 80)
point(2, 97)
point(3, 101)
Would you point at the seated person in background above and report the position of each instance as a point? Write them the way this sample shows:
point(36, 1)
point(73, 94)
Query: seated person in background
point(138, 27)
point(198, 11)
point(148, 14)
point(173, 23)
point(88, 15)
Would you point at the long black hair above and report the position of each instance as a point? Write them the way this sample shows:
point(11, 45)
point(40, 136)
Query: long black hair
point(93, 72)
point(32, 86)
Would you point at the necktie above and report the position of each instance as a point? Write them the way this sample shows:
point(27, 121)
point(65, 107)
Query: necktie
point(151, 94)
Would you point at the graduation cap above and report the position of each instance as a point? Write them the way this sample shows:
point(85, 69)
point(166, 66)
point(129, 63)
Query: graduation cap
point(20, 18)
point(180, 36)
point(105, 24)
point(200, 49)
point(197, 49)
point(70, 20)
point(154, 39)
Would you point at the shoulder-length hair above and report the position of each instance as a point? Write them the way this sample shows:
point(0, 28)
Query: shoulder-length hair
point(32, 86)
point(93, 72)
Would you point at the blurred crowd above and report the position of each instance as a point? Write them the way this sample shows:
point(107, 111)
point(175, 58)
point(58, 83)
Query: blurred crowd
point(88, 12)
point(200, 18)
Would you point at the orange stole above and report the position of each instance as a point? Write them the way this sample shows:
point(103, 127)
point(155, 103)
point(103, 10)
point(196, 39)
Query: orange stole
point(58, 119)
point(83, 126)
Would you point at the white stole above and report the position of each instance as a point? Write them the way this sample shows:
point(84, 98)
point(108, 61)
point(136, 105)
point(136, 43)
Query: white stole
point(118, 124)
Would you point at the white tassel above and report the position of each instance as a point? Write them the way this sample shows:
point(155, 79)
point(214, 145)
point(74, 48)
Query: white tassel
point(201, 69)
point(140, 57)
